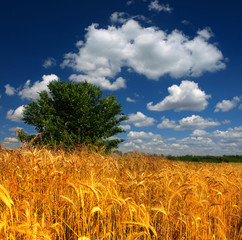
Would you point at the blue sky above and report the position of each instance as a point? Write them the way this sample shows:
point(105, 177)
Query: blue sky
point(175, 66)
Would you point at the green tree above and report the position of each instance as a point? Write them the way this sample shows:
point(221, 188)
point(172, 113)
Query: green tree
point(75, 113)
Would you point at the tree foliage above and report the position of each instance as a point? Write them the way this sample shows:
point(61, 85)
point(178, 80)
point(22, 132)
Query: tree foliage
point(213, 159)
point(75, 113)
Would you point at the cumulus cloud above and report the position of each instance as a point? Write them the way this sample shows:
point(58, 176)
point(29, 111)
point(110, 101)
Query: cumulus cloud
point(200, 142)
point(229, 136)
point(186, 22)
point(10, 139)
point(197, 142)
point(240, 106)
point(128, 99)
point(140, 120)
point(227, 105)
point(100, 81)
point(119, 17)
point(229, 140)
point(156, 6)
point(31, 92)
point(14, 129)
point(130, 2)
point(226, 122)
point(185, 97)
point(145, 50)
point(205, 33)
point(15, 115)
point(188, 123)
point(125, 127)
point(199, 133)
point(144, 142)
point(10, 91)
point(49, 62)
point(196, 121)
point(166, 123)
point(142, 135)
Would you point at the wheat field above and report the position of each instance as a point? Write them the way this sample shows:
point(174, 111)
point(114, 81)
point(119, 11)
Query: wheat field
point(86, 195)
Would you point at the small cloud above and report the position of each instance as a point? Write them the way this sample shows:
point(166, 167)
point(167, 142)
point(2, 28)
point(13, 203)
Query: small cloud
point(32, 92)
point(125, 127)
point(166, 123)
point(185, 97)
point(156, 6)
point(227, 105)
point(197, 122)
point(199, 133)
point(49, 62)
point(102, 82)
point(226, 122)
point(10, 139)
point(119, 17)
point(14, 129)
point(130, 2)
point(128, 99)
point(15, 115)
point(188, 123)
point(240, 106)
point(10, 91)
point(143, 135)
point(140, 120)
point(205, 33)
point(185, 22)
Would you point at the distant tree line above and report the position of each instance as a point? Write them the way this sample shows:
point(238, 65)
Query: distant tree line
point(214, 159)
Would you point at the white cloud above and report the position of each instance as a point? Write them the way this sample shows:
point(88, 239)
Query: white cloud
point(143, 142)
point(154, 5)
point(140, 120)
point(9, 90)
point(227, 105)
point(188, 123)
point(186, 22)
point(125, 127)
point(31, 92)
point(227, 142)
point(119, 17)
point(199, 133)
point(187, 96)
point(148, 51)
point(15, 115)
point(49, 62)
point(100, 81)
point(231, 135)
point(142, 135)
point(130, 2)
point(166, 123)
point(240, 106)
point(200, 142)
point(226, 122)
point(205, 33)
point(10, 139)
point(197, 122)
point(128, 99)
point(14, 129)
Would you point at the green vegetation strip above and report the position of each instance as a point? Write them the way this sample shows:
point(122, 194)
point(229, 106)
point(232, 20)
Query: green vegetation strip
point(214, 159)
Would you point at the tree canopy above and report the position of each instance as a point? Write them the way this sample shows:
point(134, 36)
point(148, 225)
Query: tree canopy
point(75, 113)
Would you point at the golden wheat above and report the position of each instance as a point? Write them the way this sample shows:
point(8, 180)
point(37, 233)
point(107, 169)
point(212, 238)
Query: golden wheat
point(84, 195)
